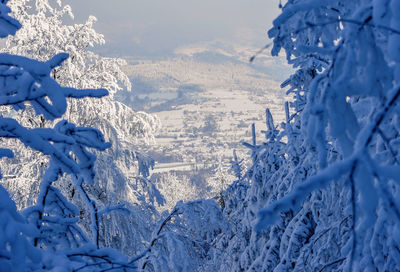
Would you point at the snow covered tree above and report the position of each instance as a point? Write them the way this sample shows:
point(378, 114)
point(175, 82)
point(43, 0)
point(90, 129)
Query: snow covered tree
point(323, 188)
point(185, 237)
point(43, 34)
point(47, 236)
point(350, 52)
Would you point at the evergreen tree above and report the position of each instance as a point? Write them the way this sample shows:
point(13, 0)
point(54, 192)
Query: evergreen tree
point(322, 191)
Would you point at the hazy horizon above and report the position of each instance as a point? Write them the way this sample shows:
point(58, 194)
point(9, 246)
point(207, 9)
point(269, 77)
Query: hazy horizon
point(156, 28)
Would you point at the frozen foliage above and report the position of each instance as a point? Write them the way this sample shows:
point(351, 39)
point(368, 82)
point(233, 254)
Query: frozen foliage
point(185, 238)
point(237, 166)
point(46, 236)
point(175, 187)
point(322, 193)
point(45, 34)
point(122, 168)
point(16, 252)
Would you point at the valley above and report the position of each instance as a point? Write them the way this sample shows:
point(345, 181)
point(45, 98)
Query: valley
point(206, 98)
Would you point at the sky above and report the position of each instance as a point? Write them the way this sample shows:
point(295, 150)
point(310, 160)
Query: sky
point(158, 27)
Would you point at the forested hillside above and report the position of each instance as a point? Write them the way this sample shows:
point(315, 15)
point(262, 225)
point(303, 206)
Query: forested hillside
point(321, 192)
